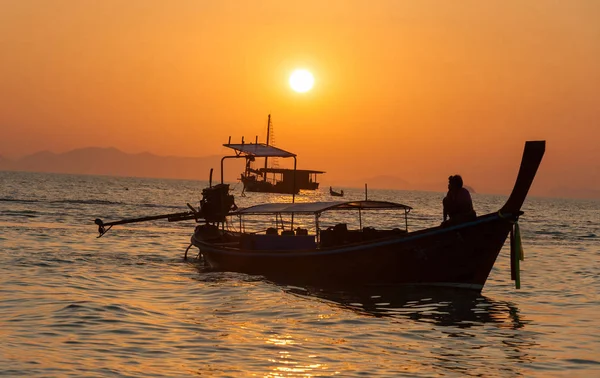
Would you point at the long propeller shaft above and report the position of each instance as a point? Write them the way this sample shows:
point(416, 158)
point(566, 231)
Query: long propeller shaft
point(172, 217)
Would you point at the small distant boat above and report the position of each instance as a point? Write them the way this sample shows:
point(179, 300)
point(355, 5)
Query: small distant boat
point(336, 194)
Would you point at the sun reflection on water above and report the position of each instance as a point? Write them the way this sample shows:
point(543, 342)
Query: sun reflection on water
point(285, 365)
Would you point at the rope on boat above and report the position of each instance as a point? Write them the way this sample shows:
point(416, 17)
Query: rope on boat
point(516, 250)
point(186, 251)
point(518, 244)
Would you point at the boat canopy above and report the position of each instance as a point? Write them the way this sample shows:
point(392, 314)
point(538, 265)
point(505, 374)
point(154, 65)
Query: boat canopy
point(258, 150)
point(318, 207)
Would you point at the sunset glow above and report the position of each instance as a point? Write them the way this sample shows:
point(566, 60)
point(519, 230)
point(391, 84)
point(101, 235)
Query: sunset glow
point(461, 87)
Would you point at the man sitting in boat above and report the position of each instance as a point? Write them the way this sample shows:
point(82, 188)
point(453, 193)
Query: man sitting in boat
point(458, 206)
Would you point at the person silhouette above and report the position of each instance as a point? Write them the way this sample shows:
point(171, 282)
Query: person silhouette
point(458, 205)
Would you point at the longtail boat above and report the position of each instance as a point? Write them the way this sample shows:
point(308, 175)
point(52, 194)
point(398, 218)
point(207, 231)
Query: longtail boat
point(273, 179)
point(333, 193)
point(284, 249)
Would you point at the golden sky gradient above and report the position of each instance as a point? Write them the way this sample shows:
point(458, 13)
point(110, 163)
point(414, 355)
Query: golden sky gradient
point(414, 89)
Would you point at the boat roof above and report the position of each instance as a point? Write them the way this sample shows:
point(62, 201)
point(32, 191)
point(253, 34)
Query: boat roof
point(284, 170)
point(318, 207)
point(258, 150)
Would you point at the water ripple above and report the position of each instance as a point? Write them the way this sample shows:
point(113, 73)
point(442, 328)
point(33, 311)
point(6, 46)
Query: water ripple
point(127, 305)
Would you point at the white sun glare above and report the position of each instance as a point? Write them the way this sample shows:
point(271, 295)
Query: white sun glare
point(301, 80)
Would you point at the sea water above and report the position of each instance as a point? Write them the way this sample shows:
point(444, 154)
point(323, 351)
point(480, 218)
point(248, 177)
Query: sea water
point(129, 305)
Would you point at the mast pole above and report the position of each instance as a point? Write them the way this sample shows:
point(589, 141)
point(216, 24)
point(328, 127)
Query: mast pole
point(268, 134)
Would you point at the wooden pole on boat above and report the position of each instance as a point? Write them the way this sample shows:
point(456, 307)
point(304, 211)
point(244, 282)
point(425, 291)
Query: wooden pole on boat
point(317, 231)
point(268, 134)
point(366, 195)
point(359, 219)
point(294, 190)
point(294, 183)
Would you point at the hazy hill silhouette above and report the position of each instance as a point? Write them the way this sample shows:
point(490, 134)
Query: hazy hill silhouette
point(113, 162)
point(5, 163)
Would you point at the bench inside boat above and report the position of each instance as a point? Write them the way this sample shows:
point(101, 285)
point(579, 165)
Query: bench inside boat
point(299, 239)
point(339, 235)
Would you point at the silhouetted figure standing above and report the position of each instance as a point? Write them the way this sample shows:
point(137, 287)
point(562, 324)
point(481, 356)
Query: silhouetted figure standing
point(458, 205)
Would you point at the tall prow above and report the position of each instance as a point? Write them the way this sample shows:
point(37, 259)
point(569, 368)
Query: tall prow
point(532, 157)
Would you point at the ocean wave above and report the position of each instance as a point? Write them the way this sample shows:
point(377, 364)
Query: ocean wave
point(21, 213)
point(115, 203)
point(551, 233)
point(90, 202)
point(87, 202)
point(19, 200)
point(79, 202)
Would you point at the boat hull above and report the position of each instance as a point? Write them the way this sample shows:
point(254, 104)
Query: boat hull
point(461, 256)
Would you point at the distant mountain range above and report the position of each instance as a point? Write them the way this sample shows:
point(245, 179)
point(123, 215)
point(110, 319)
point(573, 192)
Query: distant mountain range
point(113, 162)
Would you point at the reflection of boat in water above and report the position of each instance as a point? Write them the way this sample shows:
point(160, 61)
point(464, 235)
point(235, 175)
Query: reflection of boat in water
point(442, 306)
point(334, 193)
point(276, 180)
point(288, 251)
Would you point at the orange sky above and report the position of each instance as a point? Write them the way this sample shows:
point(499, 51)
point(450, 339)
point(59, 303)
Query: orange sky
point(414, 89)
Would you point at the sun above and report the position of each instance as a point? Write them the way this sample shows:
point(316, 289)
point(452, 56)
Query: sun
point(301, 80)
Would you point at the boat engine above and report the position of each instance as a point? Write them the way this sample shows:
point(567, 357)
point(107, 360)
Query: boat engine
point(216, 203)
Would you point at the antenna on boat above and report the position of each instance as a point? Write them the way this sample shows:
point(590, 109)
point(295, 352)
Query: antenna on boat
point(366, 193)
point(268, 134)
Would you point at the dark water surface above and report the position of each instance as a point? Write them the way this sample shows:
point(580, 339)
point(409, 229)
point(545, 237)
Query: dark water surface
point(128, 305)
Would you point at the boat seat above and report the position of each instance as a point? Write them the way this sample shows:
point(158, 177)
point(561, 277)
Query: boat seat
point(301, 231)
point(335, 235)
point(339, 234)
